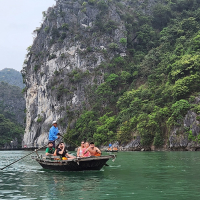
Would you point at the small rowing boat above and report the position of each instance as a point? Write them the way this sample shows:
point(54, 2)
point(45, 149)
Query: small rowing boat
point(114, 149)
point(76, 164)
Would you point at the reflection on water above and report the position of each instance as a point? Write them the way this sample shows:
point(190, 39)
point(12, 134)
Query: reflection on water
point(133, 175)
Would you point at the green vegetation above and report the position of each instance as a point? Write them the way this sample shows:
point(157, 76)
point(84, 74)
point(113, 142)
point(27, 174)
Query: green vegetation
point(11, 77)
point(12, 106)
point(150, 90)
point(9, 131)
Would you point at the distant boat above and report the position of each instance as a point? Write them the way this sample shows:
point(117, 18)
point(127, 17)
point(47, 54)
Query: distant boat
point(77, 164)
point(114, 149)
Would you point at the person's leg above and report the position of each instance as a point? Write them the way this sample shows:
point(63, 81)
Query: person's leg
point(70, 156)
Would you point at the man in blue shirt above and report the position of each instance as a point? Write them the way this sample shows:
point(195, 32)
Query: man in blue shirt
point(53, 133)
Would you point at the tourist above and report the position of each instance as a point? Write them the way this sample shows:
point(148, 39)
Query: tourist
point(56, 149)
point(88, 153)
point(63, 153)
point(50, 149)
point(53, 133)
point(94, 151)
point(80, 149)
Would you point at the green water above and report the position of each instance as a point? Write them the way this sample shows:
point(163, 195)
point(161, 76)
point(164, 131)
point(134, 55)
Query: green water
point(133, 175)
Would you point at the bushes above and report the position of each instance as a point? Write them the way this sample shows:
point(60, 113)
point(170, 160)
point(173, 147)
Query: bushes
point(9, 131)
point(179, 109)
point(113, 46)
point(102, 5)
point(148, 90)
point(184, 87)
point(123, 41)
point(106, 129)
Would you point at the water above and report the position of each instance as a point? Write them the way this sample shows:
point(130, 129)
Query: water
point(133, 175)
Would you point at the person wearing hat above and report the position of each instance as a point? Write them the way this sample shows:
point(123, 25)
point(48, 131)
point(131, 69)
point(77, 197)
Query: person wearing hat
point(53, 133)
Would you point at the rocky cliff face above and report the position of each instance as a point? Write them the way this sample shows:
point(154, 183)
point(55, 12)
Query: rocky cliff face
point(73, 41)
point(68, 58)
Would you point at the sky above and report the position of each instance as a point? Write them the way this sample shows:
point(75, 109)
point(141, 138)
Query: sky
point(18, 20)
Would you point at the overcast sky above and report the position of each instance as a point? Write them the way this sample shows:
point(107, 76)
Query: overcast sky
point(18, 19)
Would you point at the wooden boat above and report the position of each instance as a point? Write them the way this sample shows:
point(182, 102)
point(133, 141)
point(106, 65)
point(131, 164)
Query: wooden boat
point(77, 164)
point(112, 150)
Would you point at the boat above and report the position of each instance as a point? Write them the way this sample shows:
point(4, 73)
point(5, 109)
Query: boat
point(112, 150)
point(76, 164)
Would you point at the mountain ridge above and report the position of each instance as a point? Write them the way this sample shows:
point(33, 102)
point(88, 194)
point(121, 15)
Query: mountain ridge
point(12, 77)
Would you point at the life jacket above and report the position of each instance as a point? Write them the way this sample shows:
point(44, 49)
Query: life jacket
point(64, 158)
point(97, 154)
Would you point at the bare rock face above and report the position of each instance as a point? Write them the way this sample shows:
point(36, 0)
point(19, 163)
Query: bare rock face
point(69, 46)
point(186, 136)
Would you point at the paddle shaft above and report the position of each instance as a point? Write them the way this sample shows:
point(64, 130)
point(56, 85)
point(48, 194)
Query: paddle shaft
point(24, 157)
point(68, 140)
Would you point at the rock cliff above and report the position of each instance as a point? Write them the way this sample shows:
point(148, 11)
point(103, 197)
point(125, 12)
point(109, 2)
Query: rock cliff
point(136, 49)
point(74, 39)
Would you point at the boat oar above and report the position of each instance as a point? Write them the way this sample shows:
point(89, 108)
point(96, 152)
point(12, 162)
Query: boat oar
point(24, 157)
point(68, 140)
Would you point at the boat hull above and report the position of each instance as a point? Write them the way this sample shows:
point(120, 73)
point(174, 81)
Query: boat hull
point(78, 164)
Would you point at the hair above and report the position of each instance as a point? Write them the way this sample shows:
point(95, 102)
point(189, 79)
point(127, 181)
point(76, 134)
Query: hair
point(61, 142)
point(50, 142)
point(91, 142)
point(57, 146)
point(83, 141)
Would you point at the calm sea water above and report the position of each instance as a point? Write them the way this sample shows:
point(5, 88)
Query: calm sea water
point(133, 175)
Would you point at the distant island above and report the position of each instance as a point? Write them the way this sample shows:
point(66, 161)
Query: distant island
point(12, 77)
point(12, 109)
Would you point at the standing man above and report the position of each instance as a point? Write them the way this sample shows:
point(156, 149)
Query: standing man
point(53, 132)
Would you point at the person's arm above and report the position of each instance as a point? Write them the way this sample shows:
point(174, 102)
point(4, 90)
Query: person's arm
point(86, 151)
point(57, 134)
point(55, 153)
point(78, 152)
point(61, 152)
point(47, 153)
point(98, 151)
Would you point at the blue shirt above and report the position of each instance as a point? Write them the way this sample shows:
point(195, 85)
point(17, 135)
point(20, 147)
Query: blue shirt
point(110, 145)
point(53, 133)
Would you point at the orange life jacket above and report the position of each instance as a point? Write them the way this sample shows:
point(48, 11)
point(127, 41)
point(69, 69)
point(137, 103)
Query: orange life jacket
point(97, 154)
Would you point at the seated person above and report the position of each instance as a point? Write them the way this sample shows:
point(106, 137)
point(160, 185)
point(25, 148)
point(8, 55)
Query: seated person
point(50, 150)
point(81, 149)
point(63, 153)
point(56, 150)
point(94, 151)
point(88, 153)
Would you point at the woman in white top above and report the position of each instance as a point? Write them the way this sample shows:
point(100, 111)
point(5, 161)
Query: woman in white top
point(80, 149)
